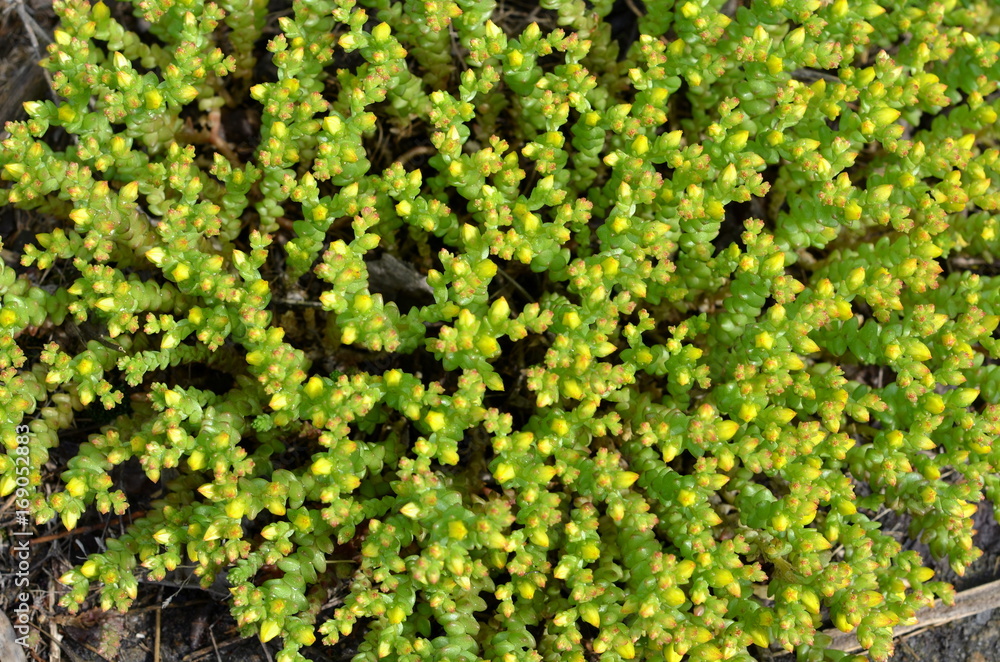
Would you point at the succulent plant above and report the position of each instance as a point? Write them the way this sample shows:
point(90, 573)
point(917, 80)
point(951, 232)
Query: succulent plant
point(639, 395)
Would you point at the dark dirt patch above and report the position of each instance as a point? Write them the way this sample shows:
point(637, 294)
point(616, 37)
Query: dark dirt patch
point(975, 639)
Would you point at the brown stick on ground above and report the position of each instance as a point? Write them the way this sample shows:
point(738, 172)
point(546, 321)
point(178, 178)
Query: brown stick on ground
point(967, 603)
point(83, 529)
point(156, 646)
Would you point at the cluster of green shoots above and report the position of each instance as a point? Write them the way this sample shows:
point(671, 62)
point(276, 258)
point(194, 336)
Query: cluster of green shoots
point(702, 307)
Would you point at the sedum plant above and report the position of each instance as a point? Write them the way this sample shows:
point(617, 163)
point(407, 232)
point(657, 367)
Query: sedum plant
point(700, 309)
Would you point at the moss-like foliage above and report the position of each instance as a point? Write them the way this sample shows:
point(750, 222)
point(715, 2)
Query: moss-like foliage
point(549, 342)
